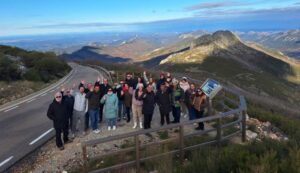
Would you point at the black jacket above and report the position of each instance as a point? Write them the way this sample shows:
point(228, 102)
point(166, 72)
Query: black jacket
point(93, 100)
point(69, 100)
point(148, 102)
point(164, 101)
point(57, 112)
point(104, 89)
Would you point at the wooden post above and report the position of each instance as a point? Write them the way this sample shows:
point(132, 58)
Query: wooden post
point(137, 153)
point(84, 154)
point(219, 131)
point(244, 126)
point(181, 143)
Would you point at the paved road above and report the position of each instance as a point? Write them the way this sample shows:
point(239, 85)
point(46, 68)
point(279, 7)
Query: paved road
point(24, 126)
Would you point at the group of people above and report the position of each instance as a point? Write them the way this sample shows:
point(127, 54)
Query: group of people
point(88, 106)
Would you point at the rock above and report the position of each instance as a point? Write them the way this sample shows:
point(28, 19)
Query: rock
point(251, 135)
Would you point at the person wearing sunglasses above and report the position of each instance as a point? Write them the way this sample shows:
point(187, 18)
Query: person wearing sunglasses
point(57, 112)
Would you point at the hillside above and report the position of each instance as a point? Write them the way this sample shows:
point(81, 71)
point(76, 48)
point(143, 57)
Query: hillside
point(223, 56)
point(24, 72)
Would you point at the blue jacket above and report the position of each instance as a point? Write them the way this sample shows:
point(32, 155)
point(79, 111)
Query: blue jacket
point(110, 109)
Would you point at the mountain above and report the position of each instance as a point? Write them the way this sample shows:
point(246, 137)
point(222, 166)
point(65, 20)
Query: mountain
point(223, 56)
point(287, 42)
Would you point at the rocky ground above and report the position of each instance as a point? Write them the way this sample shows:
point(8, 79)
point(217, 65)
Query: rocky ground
point(49, 159)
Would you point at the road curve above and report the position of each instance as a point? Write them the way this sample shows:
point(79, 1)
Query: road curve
point(24, 126)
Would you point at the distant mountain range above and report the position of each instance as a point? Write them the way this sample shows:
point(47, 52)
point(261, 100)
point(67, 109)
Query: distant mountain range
point(287, 42)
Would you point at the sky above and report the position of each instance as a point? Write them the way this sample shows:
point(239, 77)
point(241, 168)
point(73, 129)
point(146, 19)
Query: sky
point(31, 17)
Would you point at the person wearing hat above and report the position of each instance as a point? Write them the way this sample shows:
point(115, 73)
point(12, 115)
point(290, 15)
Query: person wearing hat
point(163, 100)
point(137, 106)
point(177, 98)
point(93, 97)
point(199, 103)
point(57, 112)
point(110, 109)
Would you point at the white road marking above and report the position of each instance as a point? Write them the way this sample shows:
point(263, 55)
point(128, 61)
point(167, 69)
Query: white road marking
point(6, 160)
point(40, 137)
point(31, 100)
point(10, 109)
point(43, 94)
point(52, 91)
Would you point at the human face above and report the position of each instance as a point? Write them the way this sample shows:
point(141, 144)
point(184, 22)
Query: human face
point(105, 81)
point(81, 89)
point(192, 86)
point(58, 97)
point(149, 88)
point(109, 92)
point(162, 87)
point(97, 88)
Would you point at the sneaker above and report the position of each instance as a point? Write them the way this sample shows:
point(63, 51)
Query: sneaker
point(61, 148)
point(141, 125)
point(134, 126)
point(109, 128)
point(199, 128)
point(96, 131)
point(114, 127)
point(185, 115)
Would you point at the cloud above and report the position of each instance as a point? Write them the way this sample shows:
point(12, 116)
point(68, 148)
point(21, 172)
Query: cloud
point(74, 25)
point(249, 11)
point(213, 5)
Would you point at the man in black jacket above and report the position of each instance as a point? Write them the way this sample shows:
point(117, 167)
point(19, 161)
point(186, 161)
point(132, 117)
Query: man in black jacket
point(164, 101)
point(148, 98)
point(57, 112)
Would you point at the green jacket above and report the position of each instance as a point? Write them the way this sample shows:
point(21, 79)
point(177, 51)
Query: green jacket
point(177, 96)
point(110, 109)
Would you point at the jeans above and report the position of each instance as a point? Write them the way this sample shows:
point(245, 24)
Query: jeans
point(94, 114)
point(100, 113)
point(176, 114)
point(128, 114)
point(192, 113)
point(121, 110)
point(111, 122)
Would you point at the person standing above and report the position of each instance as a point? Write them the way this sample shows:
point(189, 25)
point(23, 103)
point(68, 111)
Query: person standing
point(103, 90)
point(148, 98)
point(185, 86)
point(57, 112)
point(120, 94)
point(93, 97)
point(199, 104)
point(110, 109)
point(163, 98)
point(150, 81)
point(137, 106)
point(69, 100)
point(161, 80)
point(177, 98)
point(127, 100)
point(189, 97)
point(80, 109)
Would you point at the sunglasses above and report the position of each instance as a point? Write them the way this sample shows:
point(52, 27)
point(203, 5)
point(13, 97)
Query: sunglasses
point(58, 97)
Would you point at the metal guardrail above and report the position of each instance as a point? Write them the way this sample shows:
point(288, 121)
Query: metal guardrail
point(240, 111)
